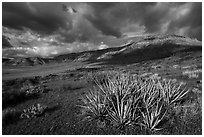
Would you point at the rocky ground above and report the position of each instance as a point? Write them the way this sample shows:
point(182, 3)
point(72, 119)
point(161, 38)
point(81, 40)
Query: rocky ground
point(48, 103)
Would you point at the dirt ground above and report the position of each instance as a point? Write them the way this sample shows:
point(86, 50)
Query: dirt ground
point(67, 86)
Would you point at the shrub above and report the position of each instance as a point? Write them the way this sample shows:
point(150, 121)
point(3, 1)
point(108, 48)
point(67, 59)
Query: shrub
point(125, 100)
point(94, 106)
point(172, 91)
point(33, 111)
point(152, 116)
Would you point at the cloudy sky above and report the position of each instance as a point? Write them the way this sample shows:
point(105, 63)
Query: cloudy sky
point(48, 29)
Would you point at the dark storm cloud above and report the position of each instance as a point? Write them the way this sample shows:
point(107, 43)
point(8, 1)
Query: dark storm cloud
point(36, 16)
point(104, 20)
point(153, 16)
point(118, 15)
point(193, 20)
point(100, 21)
point(105, 28)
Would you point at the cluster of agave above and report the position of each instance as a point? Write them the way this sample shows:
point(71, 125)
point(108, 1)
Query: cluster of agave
point(124, 100)
point(33, 111)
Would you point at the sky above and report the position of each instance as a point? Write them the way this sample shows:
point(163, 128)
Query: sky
point(47, 29)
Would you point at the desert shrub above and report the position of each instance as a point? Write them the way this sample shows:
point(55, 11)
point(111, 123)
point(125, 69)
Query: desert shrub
point(170, 90)
point(125, 100)
point(34, 90)
point(121, 99)
point(10, 115)
point(94, 107)
point(33, 111)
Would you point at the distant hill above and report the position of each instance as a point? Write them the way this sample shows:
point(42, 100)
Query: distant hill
point(148, 48)
point(32, 61)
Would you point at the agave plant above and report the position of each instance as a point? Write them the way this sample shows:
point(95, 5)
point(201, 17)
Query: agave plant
point(124, 100)
point(150, 93)
point(118, 90)
point(113, 99)
point(172, 91)
point(95, 106)
point(123, 111)
point(122, 84)
point(153, 116)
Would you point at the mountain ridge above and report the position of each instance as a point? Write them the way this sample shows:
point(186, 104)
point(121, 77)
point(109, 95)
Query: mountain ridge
point(149, 47)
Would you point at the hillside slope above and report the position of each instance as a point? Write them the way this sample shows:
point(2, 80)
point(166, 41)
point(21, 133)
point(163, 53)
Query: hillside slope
point(149, 48)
